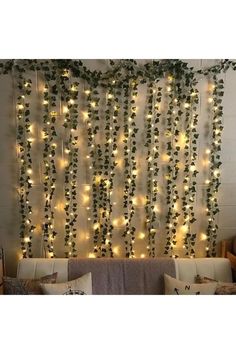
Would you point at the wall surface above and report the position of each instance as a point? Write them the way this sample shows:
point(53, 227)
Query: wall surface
point(9, 217)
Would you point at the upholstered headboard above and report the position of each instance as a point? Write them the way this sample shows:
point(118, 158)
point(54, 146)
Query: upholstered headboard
point(214, 268)
point(35, 268)
point(117, 275)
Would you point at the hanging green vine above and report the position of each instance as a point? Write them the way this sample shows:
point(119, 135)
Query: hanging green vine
point(213, 182)
point(69, 96)
point(49, 152)
point(190, 172)
point(152, 143)
point(172, 167)
point(24, 144)
point(122, 79)
point(130, 168)
point(95, 163)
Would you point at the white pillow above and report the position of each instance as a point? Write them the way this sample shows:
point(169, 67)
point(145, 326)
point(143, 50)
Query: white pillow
point(177, 287)
point(79, 286)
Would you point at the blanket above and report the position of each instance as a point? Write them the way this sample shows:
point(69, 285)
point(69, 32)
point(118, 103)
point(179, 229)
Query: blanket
point(123, 276)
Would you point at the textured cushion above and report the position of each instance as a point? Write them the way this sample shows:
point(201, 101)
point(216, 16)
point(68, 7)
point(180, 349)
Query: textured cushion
point(232, 259)
point(234, 246)
point(14, 286)
point(221, 289)
point(79, 286)
point(177, 287)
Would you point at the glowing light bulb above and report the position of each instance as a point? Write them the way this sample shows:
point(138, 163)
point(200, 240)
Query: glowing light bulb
point(208, 151)
point(210, 100)
point(29, 171)
point(186, 105)
point(141, 235)
point(96, 226)
point(87, 92)
point(207, 181)
point(65, 109)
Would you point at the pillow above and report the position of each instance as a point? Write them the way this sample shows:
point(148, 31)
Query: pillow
point(15, 286)
point(79, 286)
point(177, 287)
point(234, 245)
point(232, 259)
point(222, 288)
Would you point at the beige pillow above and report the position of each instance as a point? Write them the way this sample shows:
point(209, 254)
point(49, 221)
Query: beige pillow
point(15, 286)
point(79, 286)
point(177, 287)
point(221, 288)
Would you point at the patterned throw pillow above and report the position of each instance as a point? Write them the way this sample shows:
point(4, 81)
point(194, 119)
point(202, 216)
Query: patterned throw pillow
point(232, 258)
point(177, 287)
point(79, 286)
point(14, 286)
point(221, 288)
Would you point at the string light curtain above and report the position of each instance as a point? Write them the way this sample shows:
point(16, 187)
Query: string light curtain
point(90, 126)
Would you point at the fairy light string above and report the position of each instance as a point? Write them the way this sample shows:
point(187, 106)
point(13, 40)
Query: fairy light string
point(130, 166)
point(215, 110)
point(24, 146)
point(71, 151)
point(102, 162)
point(152, 143)
point(172, 167)
point(95, 162)
point(49, 167)
point(190, 171)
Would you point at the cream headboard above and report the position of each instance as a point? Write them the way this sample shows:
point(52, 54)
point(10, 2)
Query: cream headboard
point(186, 269)
point(35, 268)
point(214, 268)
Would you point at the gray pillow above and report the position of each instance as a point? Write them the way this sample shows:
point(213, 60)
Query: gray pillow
point(15, 286)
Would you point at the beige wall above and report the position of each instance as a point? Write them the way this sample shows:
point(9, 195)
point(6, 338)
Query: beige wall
point(9, 218)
